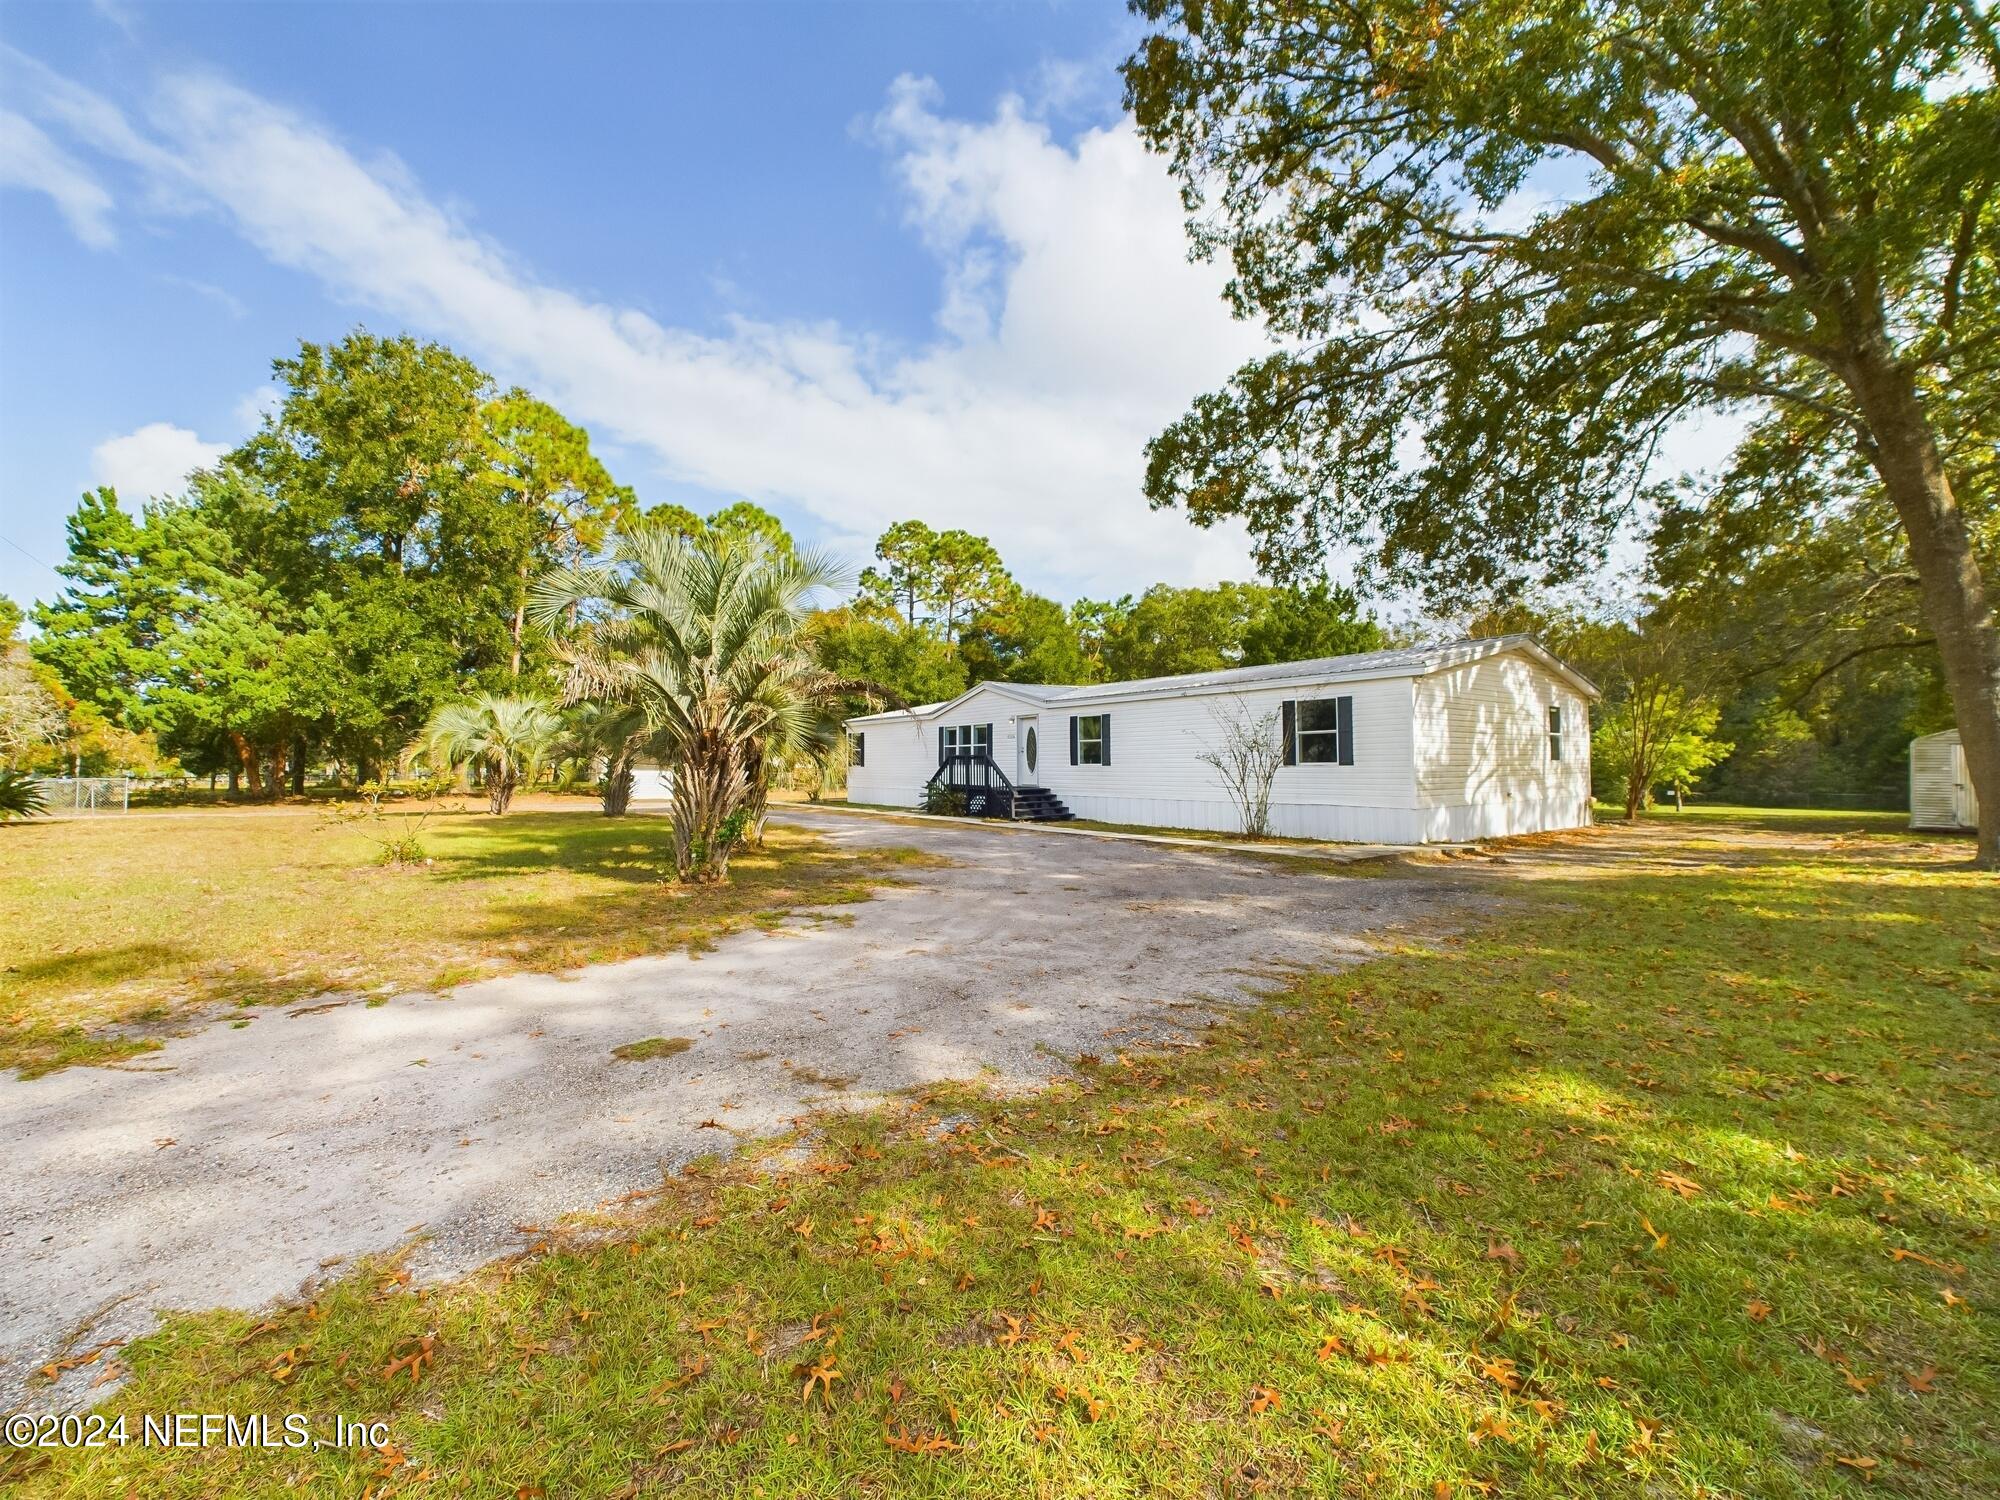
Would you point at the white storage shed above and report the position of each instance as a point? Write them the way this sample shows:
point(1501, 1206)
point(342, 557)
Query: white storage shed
point(1940, 788)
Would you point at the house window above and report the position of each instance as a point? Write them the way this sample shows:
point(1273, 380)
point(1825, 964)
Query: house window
point(1555, 732)
point(860, 749)
point(965, 739)
point(1319, 731)
point(1091, 739)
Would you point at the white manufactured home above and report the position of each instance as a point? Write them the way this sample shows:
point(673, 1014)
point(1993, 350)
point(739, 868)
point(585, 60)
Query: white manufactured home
point(1940, 785)
point(1475, 739)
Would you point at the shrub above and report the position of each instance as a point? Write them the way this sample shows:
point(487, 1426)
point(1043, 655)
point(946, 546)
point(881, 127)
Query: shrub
point(21, 796)
point(945, 801)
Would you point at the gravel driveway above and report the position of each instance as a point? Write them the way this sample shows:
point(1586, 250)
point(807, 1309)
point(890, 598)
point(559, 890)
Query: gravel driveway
point(239, 1164)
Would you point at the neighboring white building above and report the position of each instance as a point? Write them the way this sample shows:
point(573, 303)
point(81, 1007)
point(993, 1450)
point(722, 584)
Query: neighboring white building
point(1940, 785)
point(1476, 739)
point(652, 783)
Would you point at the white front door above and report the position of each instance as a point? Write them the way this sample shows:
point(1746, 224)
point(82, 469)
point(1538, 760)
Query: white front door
point(1027, 751)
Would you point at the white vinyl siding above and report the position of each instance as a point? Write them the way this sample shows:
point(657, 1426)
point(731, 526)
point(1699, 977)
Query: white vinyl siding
point(902, 754)
point(1485, 737)
point(1155, 779)
point(1460, 753)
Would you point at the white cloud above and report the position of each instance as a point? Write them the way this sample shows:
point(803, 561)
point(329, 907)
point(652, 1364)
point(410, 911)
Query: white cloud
point(119, 16)
point(1070, 326)
point(228, 301)
point(256, 405)
point(29, 159)
point(155, 460)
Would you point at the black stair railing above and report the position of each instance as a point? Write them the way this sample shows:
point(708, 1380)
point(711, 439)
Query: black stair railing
point(989, 790)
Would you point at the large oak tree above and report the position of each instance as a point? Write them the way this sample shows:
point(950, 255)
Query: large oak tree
point(1508, 244)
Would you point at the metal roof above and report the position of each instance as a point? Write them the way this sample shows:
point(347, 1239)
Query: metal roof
point(1399, 661)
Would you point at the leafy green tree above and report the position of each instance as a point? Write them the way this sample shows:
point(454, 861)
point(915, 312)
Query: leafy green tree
point(708, 638)
point(540, 466)
point(358, 561)
point(864, 643)
point(141, 637)
point(1307, 622)
point(373, 495)
point(1658, 735)
point(1168, 630)
point(967, 579)
point(1506, 247)
point(1656, 725)
point(1811, 599)
point(743, 522)
point(1774, 754)
point(99, 633)
point(506, 739)
point(1025, 638)
point(941, 579)
point(234, 669)
point(907, 552)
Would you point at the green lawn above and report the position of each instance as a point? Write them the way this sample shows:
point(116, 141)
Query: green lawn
point(133, 921)
point(1770, 819)
point(1675, 1177)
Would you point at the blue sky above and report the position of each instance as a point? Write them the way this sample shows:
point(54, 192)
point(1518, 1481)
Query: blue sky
point(854, 261)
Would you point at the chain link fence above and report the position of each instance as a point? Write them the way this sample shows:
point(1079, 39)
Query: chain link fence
point(86, 794)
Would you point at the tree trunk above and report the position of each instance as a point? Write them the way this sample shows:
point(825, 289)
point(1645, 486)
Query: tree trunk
point(617, 791)
point(274, 784)
point(520, 620)
point(758, 798)
point(298, 768)
point(499, 794)
point(1954, 598)
point(248, 758)
point(708, 788)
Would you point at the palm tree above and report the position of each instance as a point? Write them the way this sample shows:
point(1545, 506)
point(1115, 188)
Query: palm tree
point(615, 736)
point(705, 637)
point(21, 796)
point(507, 739)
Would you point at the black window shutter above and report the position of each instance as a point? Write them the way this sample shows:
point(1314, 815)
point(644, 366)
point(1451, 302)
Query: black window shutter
point(940, 744)
point(1104, 733)
point(1345, 710)
point(1288, 713)
point(989, 739)
point(1072, 739)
